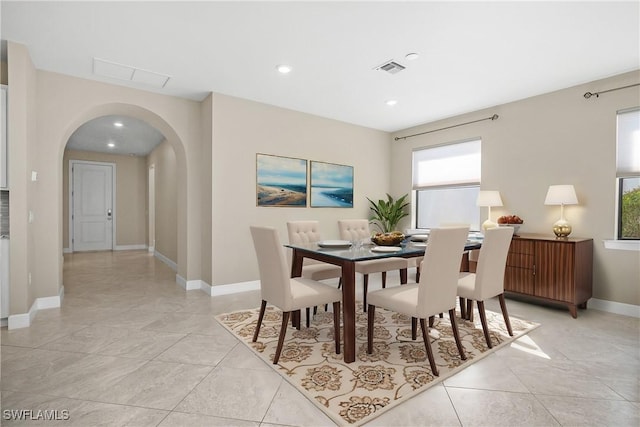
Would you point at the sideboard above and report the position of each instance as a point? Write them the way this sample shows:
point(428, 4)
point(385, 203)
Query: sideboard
point(558, 270)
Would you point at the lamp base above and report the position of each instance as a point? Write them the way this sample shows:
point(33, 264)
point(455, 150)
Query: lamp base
point(562, 228)
point(488, 224)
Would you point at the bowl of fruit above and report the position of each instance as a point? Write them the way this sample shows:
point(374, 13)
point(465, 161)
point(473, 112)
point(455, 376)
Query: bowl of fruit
point(510, 221)
point(392, 238)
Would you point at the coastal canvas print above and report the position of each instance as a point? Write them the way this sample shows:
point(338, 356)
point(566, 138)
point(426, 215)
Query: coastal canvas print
point(281, 181)
point(331, 185)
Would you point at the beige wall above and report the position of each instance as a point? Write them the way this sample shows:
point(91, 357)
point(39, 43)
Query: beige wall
point(207, 195)
point(243, 128)
point(557, 138)
point(163, 160)
point(22, 143)
point(131, 195)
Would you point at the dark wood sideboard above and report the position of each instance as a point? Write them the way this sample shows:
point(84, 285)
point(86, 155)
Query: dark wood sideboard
point(551, 269)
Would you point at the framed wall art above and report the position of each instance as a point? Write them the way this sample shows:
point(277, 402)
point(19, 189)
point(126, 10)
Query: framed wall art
point(281, 181)
point(331, 185)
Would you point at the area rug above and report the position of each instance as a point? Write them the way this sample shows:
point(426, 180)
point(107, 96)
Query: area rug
point(355, 393)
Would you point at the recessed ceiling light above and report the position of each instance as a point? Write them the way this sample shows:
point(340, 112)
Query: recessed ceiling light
point(284, 69)
point(391, 102)
point(111, 145)
point(118, 124)
point(411, 56)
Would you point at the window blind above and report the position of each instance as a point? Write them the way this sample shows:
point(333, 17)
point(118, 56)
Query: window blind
point(447, 165)
point(628, 153)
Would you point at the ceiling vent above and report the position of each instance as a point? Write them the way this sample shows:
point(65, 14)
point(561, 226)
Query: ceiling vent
point(391, 67)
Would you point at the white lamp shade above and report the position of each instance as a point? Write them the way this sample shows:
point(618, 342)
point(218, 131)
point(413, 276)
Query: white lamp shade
point(489, 198)
point(561, 195)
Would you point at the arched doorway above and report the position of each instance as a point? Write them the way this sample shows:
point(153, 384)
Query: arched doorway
point(174, 145)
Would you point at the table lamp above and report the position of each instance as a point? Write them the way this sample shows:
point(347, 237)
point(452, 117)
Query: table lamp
point(489, 199)
point(561, 195)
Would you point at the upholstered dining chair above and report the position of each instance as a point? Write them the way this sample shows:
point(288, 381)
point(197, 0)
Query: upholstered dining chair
point(435, 292)
point(488, 280)
point(301, 232)
point(358, 229)
point(286, 293)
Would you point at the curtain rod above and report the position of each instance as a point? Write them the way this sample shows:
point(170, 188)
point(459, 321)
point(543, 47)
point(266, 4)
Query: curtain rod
point(588, 95)
point(494, 117)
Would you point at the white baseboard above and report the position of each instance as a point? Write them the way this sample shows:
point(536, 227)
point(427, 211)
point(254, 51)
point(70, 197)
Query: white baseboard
point(234, 288)
point(188, 285)
point(130, 247)
point(615, 307)
point(24, 320)
point(166, 260)
point(212, 291)
point(151, 249)
point(67, 251)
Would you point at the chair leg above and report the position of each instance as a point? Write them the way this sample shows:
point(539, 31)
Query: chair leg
point(431, 319)
point(336, 324)
point(403, 276)
point(427, 346)
point(503, 306)
point(295, 319)
point(418, 274)
point(470, 310)
point(339, 283)
point(365, 289)
point(308, 317)
point(283, 331)
point(370, 319)
point(463, 308)
point(384, 279)
point(440, 315)
point(456, 335)
point(263, 306)
point(414, 328)
point(483, 319)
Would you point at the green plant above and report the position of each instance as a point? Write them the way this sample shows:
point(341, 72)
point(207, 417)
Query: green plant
point(386, 214)
point(631, 214)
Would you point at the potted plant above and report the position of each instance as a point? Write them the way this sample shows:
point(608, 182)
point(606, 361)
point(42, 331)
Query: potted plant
point(386, 214)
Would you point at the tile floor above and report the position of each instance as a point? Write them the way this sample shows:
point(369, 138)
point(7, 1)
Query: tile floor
point(130, 347)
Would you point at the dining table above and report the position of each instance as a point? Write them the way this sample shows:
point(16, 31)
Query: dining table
point(346, 254)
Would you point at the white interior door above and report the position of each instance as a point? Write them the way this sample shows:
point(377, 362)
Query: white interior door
point(93, 212)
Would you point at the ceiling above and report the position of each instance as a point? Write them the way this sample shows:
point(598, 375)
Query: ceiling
point(472, 55)
point(127, 135)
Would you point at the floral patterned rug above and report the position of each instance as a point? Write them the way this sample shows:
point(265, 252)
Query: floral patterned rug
point(354, 393)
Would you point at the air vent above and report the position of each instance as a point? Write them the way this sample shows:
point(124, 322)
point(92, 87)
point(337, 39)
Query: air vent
point(391, 67)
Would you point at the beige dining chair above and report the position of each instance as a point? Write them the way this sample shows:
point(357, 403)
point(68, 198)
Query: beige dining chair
point(434, 294)
point(286, 293)
point(358, 229)
point(301, 232)
point(488, 280)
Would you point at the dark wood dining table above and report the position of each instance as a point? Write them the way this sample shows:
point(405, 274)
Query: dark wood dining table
point(346, 258)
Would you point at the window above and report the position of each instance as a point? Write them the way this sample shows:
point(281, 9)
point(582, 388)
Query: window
point(628, 174)
point(446, 180)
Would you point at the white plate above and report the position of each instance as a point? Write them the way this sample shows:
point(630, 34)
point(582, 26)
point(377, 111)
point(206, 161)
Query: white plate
point(386, 249)
point(419, 237)
point(334, 244)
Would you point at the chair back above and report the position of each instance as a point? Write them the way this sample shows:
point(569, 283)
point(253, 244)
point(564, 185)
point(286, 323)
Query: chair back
point(301, 232)
point(275, 283)
point(440, 270)
point(492, 262)
point(354, 229)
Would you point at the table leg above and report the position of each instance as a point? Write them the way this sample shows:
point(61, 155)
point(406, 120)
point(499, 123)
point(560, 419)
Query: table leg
point(349, 310)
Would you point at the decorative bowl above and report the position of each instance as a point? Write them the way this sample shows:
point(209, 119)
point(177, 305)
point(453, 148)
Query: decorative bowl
point(515, 227)
point(388, 239)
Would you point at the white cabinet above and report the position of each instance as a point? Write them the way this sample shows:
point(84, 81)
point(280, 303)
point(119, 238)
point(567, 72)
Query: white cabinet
point(4, 175)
